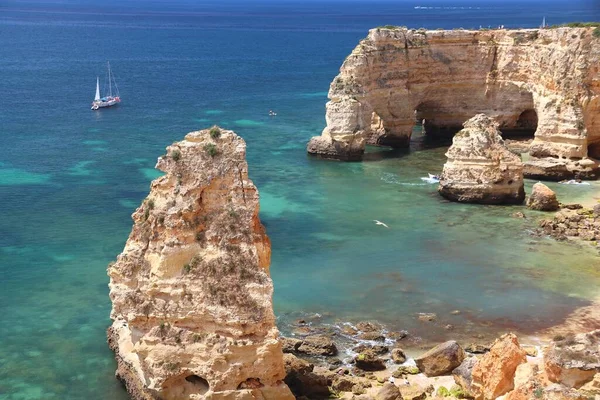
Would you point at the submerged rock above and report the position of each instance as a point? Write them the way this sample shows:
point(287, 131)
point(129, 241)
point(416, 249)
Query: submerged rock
point(191, 293)
point(542, 198)
point(480, 169)
point(442, 359)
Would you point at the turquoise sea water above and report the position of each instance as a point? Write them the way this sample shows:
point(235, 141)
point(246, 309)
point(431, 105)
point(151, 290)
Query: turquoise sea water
point(70, 178)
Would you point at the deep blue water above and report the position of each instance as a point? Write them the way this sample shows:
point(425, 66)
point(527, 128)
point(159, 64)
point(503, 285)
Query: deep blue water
point(70, 177)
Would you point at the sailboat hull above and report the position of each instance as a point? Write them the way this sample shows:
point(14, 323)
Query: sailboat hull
point(106, 102)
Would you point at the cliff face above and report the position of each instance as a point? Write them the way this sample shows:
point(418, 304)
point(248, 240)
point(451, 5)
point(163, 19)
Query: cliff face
point(544, 80)
point(480, 169)
point(191, 291)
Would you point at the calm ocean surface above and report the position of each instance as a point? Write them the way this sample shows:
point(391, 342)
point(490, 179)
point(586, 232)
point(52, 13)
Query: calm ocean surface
point(70, 178)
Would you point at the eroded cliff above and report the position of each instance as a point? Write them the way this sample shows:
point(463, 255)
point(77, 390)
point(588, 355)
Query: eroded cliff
point(192, 310)
point(544, 81)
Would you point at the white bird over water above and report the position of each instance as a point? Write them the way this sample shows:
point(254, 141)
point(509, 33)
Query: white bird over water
point(380, 223)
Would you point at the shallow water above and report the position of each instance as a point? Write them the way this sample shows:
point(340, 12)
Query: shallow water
point(70, 179)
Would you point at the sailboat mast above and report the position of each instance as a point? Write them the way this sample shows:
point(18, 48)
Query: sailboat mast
point(109, 80)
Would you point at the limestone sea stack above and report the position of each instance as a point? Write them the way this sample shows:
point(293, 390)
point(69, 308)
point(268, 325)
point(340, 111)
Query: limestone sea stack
point(191, 293)
point(480, 168)
point(545, 81)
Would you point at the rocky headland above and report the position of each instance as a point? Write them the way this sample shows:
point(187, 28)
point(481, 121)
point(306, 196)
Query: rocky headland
point(191, 293)
point(541, 82)
point(480, 168)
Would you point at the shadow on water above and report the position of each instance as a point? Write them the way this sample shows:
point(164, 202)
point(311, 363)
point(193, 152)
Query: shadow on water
point(374, 153)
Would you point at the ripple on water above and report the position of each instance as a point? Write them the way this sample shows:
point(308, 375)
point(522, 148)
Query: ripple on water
point(94, 142)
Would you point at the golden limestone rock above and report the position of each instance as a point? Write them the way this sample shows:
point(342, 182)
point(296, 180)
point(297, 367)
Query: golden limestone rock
point(493, 374)
point(191, 293)
point(542, 80)
point(480, 169)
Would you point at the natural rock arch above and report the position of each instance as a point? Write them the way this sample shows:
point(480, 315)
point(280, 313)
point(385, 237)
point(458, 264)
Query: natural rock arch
point(447, 77)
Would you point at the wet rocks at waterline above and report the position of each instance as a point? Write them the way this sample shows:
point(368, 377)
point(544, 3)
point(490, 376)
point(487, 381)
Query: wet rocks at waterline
point(542, 198)
point(480, 168)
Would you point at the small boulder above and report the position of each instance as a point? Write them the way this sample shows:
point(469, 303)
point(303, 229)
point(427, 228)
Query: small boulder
point(317, 345)
point(377, 349)
point(347, 383)
point(442, 359)
point(462, 374)
point(366, 326)
point(542, 198)
point(416, 392)
point(405, 370)
point(389, 391)
point(398, 355)
point(367, 361)
point(493, 374)
point(427, 317)
point(290, 345)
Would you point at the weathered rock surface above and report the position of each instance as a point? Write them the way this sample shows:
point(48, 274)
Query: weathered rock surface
point(191, 293)
point(389, 391)
point(315, 345)
point(581, 223)
point(369, 361)
point(544, 80)
point(493, 374)
point(480, 169)
point(442, 359)
point(575, 360)
point(398, 355)
point(463, 374)
point(302, 379)
point(542, 198)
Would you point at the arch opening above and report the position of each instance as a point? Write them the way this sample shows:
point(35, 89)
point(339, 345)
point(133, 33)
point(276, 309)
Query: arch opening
point(433, 125)
point(524, 127)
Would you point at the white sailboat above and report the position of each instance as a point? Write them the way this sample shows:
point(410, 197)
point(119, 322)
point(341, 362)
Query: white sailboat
point(110, 100)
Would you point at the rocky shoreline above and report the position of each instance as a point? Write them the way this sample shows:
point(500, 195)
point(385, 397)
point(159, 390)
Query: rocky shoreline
point(367, 362)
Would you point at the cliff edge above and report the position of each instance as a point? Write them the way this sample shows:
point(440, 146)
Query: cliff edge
point(191, 293)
